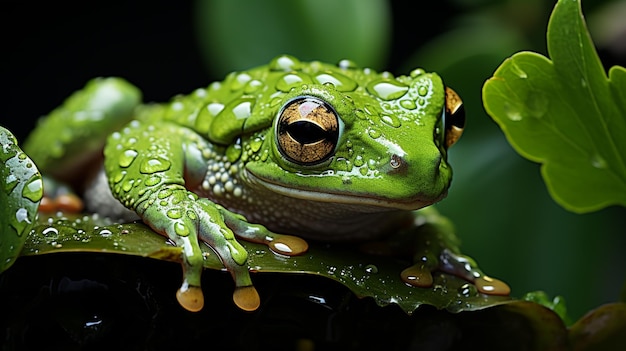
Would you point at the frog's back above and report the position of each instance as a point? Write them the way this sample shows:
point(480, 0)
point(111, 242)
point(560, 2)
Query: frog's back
point(247, 101)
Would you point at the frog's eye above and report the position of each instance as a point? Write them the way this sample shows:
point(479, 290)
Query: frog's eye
point(307, 130)
point(454, 117)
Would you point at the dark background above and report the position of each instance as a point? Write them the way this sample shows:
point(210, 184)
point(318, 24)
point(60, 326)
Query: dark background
point(51, 49)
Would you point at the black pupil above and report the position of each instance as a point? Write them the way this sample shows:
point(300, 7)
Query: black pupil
point(306, 132)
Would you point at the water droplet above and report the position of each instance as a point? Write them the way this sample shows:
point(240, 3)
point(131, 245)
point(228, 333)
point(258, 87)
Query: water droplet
point(292, 80)
point(598, 161)
point(240, 80)
point(347, 64)
point(374, 133)
point(537, 104)
point(583, 83)
point(252, 86)
point(387, 89)
point(174, 213)
point(517, 70)
point(127, 158)
point(341, 82)
point(285, 63)
point(512, 113)
point(372, 269)
point(50, 232)
point(154, 165)
point(408, 104)
point(33, 190)
point(391, 120)
point(106, 233)
point(181, 229)
point(467, 290)
point(417, 72)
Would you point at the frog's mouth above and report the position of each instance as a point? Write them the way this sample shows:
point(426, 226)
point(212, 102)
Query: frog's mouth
point(372, 203)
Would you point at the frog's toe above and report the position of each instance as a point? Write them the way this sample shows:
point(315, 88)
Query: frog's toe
point(246, 298)
point(190, 297)
point(288, 245)
point(417, 275)
point(466, 268)
point(492, 286)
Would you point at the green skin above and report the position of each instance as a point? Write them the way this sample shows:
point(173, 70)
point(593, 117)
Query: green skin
point(207, 165)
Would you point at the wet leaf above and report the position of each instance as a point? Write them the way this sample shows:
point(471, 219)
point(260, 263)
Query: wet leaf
point(565, 113)
point(20, 193)
point(365, 275)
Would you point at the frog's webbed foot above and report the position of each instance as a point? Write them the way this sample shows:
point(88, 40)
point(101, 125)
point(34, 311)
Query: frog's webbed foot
point(420, 273)
point(186, 219)
point(281, 244)
point(433, 247)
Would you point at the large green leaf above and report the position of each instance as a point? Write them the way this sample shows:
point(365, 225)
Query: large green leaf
point(566, 114)
point(366, 275)
point(19, 198)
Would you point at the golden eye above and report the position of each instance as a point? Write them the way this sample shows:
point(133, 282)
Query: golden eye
point(307, 130)
point(454, 117)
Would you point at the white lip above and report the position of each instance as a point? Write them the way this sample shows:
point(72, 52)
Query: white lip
point(338, 198)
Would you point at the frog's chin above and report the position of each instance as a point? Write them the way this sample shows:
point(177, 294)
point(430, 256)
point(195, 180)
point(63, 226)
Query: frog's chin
point(359, 200)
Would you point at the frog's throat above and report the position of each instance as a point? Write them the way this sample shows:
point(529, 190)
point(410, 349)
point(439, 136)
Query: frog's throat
point(363, 200)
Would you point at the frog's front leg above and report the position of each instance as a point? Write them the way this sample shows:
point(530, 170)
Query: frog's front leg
point(145, 165)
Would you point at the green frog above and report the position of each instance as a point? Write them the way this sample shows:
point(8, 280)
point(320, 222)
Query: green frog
point(280, 154)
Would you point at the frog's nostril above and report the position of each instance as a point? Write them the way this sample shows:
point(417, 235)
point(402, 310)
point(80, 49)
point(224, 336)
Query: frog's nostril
point(397, 163)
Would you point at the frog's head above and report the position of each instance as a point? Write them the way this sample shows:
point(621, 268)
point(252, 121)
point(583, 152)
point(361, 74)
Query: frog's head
point(383, 144)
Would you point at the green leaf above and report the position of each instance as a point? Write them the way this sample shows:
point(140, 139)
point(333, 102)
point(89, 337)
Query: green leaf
point(20, 194)
point(566, 114)
point(365, 275)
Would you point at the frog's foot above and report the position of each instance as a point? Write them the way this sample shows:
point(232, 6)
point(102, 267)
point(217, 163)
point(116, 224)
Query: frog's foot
point(190, 297)
point(461, 266)
point(281, 244)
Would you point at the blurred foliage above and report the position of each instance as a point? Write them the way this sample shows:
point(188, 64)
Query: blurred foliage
point(498, 201)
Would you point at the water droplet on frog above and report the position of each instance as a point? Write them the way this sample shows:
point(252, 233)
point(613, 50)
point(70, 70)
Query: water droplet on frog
point(127, 158)
point(252, 86)
point(598, 161)
point(373, 133)
point(291, 80)
point(285, 63)
point(347, 64)
point(387, 89)
point(408, 104)
point(154, 165)
point(417, 72)
point(341, 82)
point(391, 120)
